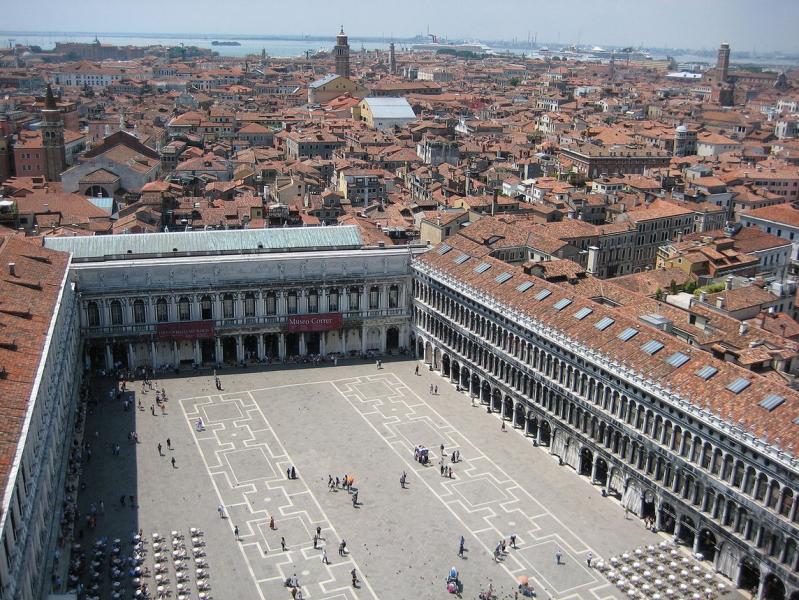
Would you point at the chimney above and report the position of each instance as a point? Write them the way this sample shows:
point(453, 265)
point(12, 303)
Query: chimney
point(494, 203)
point(12, 269)
point(743, 328)
point(728, 283)
point(702, 296)
point(720, 302)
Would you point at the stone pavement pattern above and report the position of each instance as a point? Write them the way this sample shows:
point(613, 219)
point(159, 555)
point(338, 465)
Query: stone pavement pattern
point(357, 420)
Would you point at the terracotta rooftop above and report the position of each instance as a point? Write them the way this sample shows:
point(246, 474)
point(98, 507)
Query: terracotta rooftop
point(27, 303)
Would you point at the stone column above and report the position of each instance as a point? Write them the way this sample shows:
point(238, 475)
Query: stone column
point(363, 339)
point(198, 355)
point(131, 364)
point(281, 345)
point(239, 349)
point(261, 347)
point(303, 349)
point(153, 356)
point(748, 528)
point(218, 353)
point(195, 311)
point(343, 338)
point(658, 516)
point(594, 469)
point(696, 538)
point(323, 343)
point(383, 344)
point(175, 354)
point(109, 357)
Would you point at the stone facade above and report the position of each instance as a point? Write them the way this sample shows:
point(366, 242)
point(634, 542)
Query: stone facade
point(716, 490)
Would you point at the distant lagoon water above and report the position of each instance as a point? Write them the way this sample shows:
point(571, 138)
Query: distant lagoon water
point(274, 46)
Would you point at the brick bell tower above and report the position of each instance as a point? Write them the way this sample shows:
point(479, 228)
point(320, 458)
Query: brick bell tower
point(52, 128)
point(341, 52)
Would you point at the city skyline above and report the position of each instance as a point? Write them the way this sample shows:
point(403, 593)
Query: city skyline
point(656, 23)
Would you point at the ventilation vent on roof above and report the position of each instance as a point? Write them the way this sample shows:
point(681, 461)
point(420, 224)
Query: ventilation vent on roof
point(772, 401)
point(444, 249)
point(482, 267)
point(582, 313)
point(542, 294)
point(604, 323)
point(459, 260)
point(503, 277)
point(707, 372)
point(524, 286)
point(562, 303)
point(628, 334)
point(652, 347)
point(678, 359)
point(739, 385)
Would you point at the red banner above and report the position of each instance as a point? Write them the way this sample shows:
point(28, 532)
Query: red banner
point(190, 330)
point(325, 322)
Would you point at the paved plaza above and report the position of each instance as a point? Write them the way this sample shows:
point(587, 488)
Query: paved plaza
point(357, 420)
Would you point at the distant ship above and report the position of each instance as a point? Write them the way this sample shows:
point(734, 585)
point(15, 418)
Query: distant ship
point(475, 47)
point(225, 43)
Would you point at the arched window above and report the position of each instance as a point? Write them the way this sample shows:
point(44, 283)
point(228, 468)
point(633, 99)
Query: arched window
point(116, 312)
point(374, 297)
point(393, 296)
point(291, 303)
point(93, 314)
point(161, 310)
point(249, 304)
point(355, 298)
point(313, 301)
point(228, 311)
point(184, 309)
point(271, 303)
point(139, 314)
point(332, 300)
point(206, 307)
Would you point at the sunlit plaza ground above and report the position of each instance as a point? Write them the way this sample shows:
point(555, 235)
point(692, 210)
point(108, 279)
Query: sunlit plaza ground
point(358, 420)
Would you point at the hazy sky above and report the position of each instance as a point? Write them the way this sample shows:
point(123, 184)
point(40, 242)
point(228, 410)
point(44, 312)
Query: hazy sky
point(746, 24)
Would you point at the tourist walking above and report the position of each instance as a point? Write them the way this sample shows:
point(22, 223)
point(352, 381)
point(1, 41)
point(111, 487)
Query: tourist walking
point(168, 444)
point(588, 559)
point(173, 463)
point(221, 510)
point(558, 556)
point(461, 547)
point(236, 532)
point(159, 449)
point(325, 561)
point(283, 543)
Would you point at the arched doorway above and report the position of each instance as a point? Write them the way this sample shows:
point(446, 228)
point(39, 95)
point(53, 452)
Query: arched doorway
point(648, 505)
point(507, 408)
point(668, 518)
point(292, 344)
point(445, 365)
point(601, 472)
point(532, 425)
point(229, 349)
point(272, 345)
point(392, 339)
point(707, 544)
point(545, 433)
point(773, 588)
point(586, 462)
point(207, 351)
point(455, 371)
point(687, 531)
point(475, 383)
point(120, 355)
point(519, 416)
point(496, 401)
point(436, 358)
point(250, 347)
point(485, 393)
point(749, 577)
point(313, 342)
point(420, 348)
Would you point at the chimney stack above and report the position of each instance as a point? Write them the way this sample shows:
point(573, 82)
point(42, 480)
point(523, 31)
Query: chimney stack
point(728, 283)
point(12, 269)
point(494, 203)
